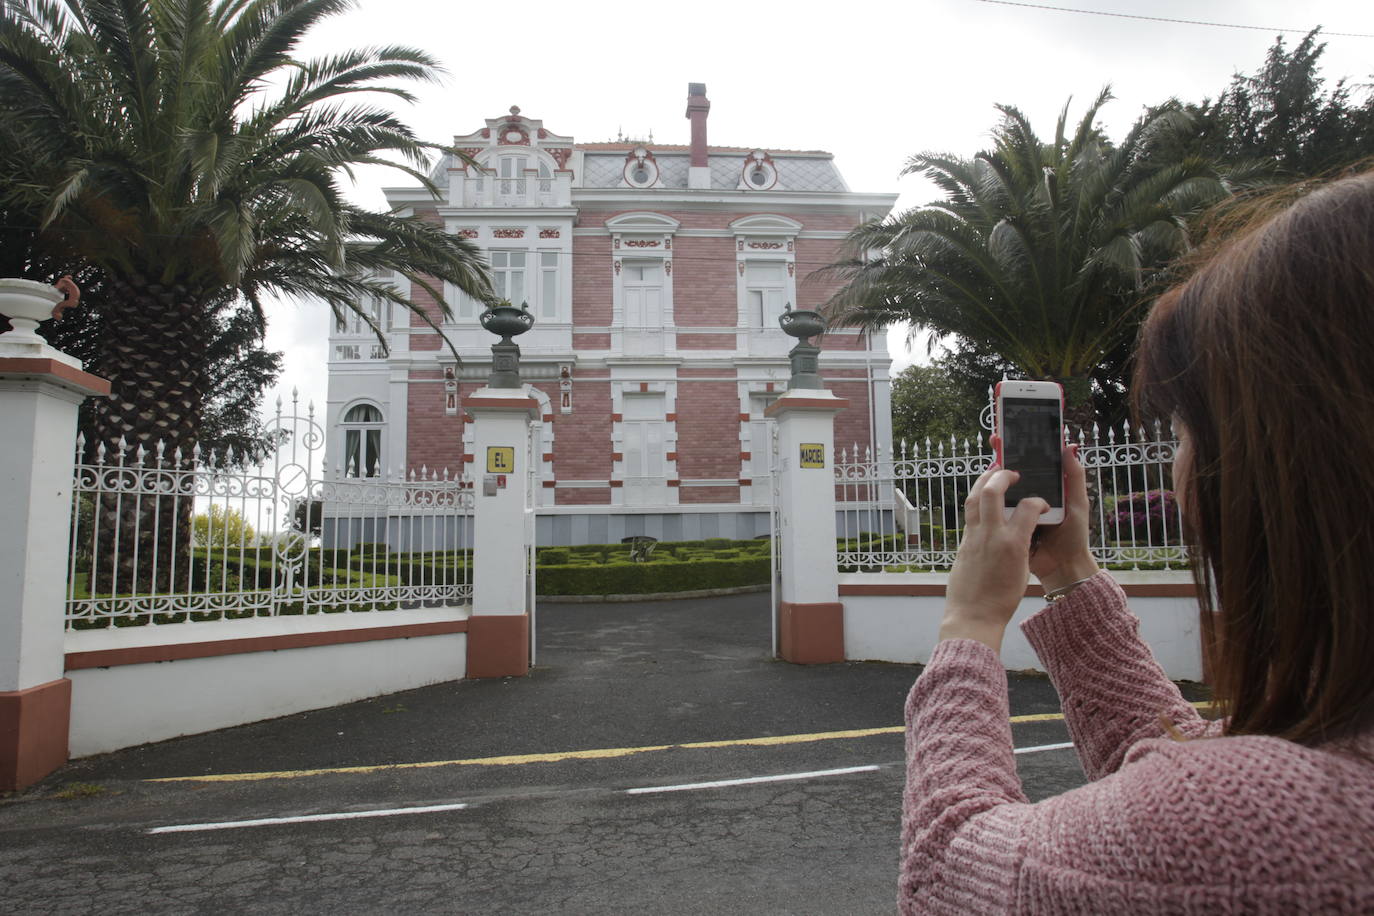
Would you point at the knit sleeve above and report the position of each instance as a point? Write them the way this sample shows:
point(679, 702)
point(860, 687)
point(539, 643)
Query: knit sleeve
point(961, 782)
point(1110, 687)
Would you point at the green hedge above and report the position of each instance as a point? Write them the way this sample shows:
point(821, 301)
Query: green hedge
point(655, 575)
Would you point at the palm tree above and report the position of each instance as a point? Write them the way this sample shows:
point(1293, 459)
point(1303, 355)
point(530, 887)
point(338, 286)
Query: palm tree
point(1040, 252)
point(144, 139)
point(182, 149)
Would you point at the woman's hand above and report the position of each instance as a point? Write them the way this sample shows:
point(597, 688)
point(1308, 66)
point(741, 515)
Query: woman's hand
point(990, 573)
point(1060, 555)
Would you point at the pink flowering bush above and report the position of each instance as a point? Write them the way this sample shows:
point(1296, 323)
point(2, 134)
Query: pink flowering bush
point(1150, 515)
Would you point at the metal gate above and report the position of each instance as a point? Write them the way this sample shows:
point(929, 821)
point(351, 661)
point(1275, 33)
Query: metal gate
point(532, 458)
point(774, 532)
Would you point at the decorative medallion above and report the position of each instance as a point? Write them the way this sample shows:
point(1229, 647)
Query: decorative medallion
point(561, 155)
point(739, 246)
point(789, 246)
point(668, 268)
point(615, 243)
point(543, 133)
point(759, 172)
point(641, 169)
point(668, 244)
point(741, 268)
point(508, 233)
point(791, 269)
point(617, 268)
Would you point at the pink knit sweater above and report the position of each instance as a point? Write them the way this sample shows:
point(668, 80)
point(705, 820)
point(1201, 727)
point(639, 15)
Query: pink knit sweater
point(1213, 825)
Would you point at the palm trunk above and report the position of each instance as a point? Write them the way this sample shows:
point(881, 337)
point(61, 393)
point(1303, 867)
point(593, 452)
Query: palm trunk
point(155, 363)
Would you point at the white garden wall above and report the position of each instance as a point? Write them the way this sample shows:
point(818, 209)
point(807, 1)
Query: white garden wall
point(905, 627)
point(238, 677)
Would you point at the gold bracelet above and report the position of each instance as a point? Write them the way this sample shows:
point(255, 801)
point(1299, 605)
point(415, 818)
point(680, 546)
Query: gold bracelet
point(1063, 591)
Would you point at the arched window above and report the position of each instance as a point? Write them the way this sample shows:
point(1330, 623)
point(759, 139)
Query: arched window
point(362, 425)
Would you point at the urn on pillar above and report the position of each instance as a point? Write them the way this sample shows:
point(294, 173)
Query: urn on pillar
point(28, 303)
point(805, 356)
point(40, 392)
point(506, 321)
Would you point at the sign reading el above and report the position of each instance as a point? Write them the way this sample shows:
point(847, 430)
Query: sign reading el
point(500, 459)
point(812, 455)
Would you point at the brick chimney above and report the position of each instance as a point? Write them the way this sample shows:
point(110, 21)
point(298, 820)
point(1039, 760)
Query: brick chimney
point(698, 107)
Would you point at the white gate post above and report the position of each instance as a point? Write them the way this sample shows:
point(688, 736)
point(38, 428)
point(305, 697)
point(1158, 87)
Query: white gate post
point(810, 616)
point(499, 628)
point(40, 391)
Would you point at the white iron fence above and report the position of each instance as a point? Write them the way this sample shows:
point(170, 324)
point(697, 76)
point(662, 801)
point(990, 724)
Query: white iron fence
point(906, 512)
point(165, 537)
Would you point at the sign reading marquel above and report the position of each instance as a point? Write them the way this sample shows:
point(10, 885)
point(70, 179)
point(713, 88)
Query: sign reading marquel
point(812, 455)
point(500, 459)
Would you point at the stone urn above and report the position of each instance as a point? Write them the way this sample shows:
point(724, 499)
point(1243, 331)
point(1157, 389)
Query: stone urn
point(506, 321)
point(26, 303)
point(805, 356)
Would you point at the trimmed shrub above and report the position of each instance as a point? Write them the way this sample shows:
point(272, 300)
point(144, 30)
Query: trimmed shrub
point(553, 556)
point(655, 575)
point(370, 549)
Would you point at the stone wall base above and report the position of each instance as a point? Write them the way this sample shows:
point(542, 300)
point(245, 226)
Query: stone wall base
point(811, 634)
point(498, 645)
point(33, 732)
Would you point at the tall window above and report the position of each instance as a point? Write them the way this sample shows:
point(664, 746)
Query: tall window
point(765, 289)
point(362, 441)
point(548, 284)
point(378, 311)
point(508, 275)
point(511, 170)
point(644, 435)
point(643, 294)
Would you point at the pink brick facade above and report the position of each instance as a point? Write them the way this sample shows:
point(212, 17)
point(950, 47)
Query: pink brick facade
point(655, 346)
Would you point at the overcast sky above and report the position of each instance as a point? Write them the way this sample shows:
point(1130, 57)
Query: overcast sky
point(872, 83)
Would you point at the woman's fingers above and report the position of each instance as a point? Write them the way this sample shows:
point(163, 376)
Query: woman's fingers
point(1026, 515)
point(971, 514)
point(993, 497)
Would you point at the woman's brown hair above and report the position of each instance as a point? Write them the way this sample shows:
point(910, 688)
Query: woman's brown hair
point(1265, 356)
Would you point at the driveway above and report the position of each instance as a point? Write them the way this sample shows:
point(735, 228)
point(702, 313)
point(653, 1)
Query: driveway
point(655, 759)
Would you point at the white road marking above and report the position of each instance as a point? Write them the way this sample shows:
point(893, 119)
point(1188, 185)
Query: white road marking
point(720, 783)
point(1042, 747)
point(645, 790)
point(307, 818)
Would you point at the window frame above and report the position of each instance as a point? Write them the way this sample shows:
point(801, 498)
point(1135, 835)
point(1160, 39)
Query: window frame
point(364, 442)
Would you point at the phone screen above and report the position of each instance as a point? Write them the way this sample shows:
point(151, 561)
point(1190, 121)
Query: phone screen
point(1031, 444)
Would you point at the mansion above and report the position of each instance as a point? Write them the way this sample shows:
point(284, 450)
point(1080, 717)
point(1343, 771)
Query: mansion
point(656, 275)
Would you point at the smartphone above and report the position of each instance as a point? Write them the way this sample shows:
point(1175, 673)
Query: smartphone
point(1030, 424)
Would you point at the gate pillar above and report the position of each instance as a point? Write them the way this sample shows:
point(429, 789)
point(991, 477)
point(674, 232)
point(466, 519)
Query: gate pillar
point(809, 614)
point(499, 628)
point(40, 391)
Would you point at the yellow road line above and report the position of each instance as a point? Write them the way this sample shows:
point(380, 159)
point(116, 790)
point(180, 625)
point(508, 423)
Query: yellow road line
point(602, 753)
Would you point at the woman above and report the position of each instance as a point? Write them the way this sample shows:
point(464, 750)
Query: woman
point(1265, 361)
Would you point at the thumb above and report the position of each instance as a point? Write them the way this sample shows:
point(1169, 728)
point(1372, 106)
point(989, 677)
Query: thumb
point(1026, 514)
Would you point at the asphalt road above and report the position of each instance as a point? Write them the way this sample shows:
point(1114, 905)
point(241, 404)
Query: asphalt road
point(574, 790)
